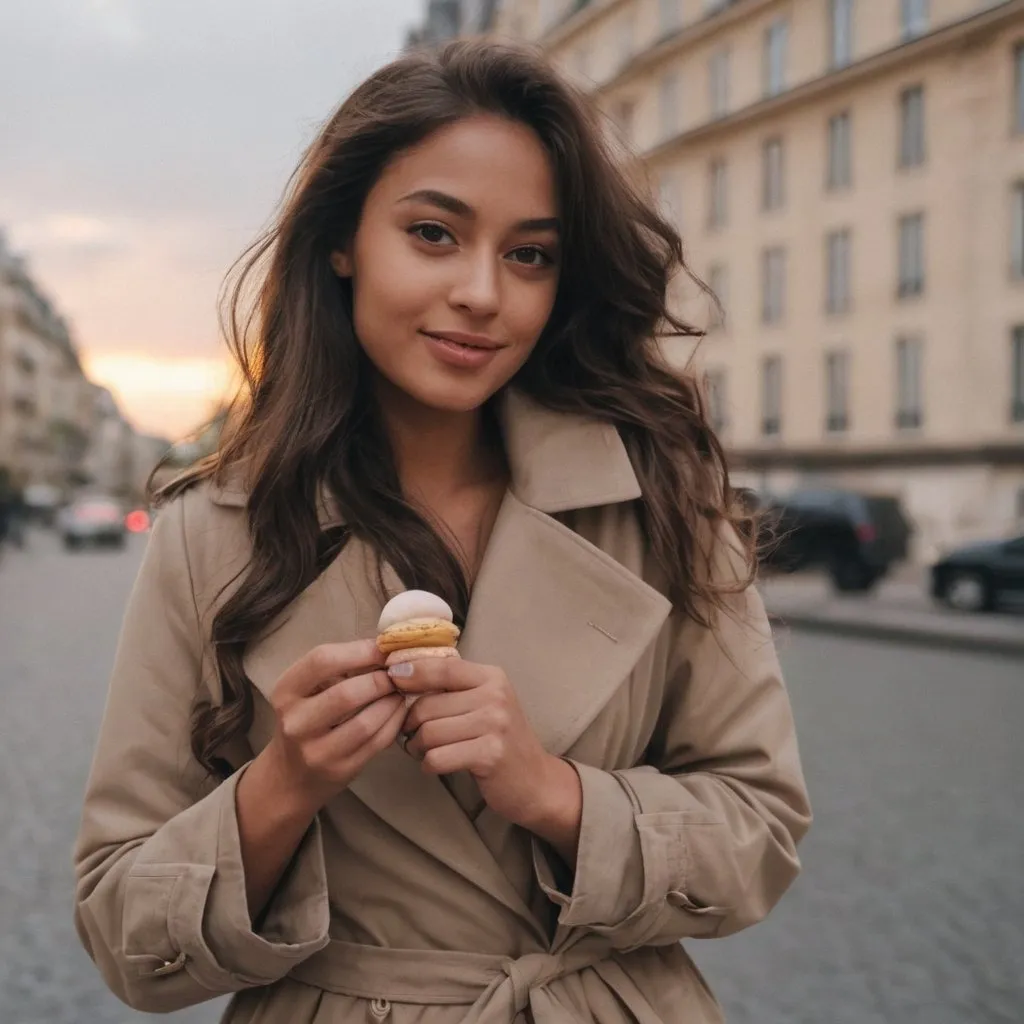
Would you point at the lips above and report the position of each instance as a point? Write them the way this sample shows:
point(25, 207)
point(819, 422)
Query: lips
point(461, 338)
point(460, 350)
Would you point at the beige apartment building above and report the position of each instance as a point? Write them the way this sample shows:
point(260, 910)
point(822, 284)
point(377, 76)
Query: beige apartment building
point(848, 176)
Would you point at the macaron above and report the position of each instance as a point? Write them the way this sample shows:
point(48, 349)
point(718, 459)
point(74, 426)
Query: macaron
point(416, 624)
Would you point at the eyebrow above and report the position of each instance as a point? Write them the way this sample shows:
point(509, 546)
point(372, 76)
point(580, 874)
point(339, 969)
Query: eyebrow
point(459, 208)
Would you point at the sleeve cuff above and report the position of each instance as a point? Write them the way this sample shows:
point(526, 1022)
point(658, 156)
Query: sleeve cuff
point(608, 882)
point(294, 924)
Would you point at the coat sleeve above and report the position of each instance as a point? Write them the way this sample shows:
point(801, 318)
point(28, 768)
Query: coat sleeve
point(700, 840)
point(160, 895)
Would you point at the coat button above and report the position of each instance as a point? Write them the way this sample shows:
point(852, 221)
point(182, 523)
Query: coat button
point(171, 966)
point(379, 1010)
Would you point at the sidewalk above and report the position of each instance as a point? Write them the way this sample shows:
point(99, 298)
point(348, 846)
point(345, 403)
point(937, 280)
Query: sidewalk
point(899, 609)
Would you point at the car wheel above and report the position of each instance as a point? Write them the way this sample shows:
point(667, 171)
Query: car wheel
point(852, 576)
point(71, 544)
point(967, 591)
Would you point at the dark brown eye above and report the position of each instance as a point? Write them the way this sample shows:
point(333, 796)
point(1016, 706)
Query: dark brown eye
point(531, 257)
point(432, 233)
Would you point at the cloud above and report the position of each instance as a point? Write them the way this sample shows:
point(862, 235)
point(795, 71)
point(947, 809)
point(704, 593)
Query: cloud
point(146, 142)
point(118, 20)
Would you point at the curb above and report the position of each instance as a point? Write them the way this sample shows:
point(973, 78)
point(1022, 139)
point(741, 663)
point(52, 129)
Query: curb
point(919, 636)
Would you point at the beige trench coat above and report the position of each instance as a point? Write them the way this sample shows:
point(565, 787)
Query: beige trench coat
point(409, 899)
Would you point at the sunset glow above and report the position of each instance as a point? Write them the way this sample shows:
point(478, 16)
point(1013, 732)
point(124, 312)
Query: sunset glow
point(167, 396)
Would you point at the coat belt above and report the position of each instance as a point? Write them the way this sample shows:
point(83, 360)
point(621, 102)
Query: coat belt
point(494, 988)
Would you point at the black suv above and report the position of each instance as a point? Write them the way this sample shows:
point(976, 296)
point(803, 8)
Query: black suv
point(978, 577)
point(856, 537)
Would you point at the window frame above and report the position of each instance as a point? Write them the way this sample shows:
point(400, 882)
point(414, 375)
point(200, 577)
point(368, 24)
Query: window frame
point(839, 138)
point(912, 150)
point(909, 412)
point(910, 285)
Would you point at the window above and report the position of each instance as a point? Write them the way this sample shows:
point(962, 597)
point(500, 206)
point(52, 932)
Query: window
point(627, 38)
point(911, 255)
point(776, 40)
point(912, 127)
point(771, 396)
point(668, 16)
point(837, 256)
point(718, 194)
point(549, 12)
point(837, 390)
point(1017, 375)
point(840, 32)
point(718, 282)
point(772, 175)
point(913, 18)
point(909, 412)
point(670, 197)
point(839, 174)
point(718, 73)
point(668, 104)
point(717, 400)
point(624, 115)
point(583, 62)
point(773, 285)
point(1017, 229)
point(1018, 88)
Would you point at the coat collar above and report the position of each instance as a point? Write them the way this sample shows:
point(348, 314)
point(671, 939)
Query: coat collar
point(558, 461)
point(562, 617)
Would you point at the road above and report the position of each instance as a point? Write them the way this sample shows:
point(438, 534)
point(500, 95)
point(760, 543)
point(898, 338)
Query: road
point(910, 908)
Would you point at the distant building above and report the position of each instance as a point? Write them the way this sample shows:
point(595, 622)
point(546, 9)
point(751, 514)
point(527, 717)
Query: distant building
point(111, 458)
point(443, 21)
point(45, 405)
point(848, 175)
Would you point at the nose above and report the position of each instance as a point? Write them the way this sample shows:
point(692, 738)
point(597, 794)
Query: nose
point(478, 289)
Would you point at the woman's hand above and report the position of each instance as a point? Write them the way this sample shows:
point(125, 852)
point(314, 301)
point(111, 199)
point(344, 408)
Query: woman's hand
point(336, 708)
point(469, 719)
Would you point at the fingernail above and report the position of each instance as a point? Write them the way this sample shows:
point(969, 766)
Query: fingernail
point(401, 671)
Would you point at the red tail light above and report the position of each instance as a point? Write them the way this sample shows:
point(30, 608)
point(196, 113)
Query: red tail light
point(866, 533)
point(137, 521)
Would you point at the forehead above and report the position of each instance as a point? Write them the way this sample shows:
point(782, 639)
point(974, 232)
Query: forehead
point(497, 166)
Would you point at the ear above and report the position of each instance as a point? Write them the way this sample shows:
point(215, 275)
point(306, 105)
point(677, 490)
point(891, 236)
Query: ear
point(341, 263)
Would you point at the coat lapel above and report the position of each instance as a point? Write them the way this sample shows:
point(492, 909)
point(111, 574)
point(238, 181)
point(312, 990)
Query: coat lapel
point(342, 605)
point(564, 620)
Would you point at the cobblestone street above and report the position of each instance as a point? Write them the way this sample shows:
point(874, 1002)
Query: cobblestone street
point(910, 908)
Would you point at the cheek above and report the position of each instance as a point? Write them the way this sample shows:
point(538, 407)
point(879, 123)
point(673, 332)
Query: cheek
point(528, 307)
point(390, 294)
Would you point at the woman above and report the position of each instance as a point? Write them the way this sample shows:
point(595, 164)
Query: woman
point(453, 385)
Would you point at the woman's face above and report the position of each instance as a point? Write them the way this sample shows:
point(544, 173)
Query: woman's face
point(455, 262)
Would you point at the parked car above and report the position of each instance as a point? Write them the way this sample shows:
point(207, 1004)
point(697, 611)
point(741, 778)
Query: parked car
point(95, 520)
point(978, 577)
point(856, 537)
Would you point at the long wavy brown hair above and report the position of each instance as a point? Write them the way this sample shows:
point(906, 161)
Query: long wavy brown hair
point(306, 419)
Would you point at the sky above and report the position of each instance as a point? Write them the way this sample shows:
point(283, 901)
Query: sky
point(143, 144)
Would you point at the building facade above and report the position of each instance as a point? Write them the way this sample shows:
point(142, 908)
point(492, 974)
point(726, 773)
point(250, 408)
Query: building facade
point(848, 177)
point(58, 430)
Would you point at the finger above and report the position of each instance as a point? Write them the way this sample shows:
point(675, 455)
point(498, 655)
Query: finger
point(443, 732)
point(363, 735)
point(432, 706)
point(329, 662)
point(477, 756)
point(440, 674)
point(323, 711)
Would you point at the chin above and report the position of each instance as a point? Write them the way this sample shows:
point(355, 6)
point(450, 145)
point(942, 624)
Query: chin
point(452, 398)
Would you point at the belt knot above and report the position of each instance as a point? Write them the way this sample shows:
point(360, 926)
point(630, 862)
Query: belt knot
point(534, 970)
